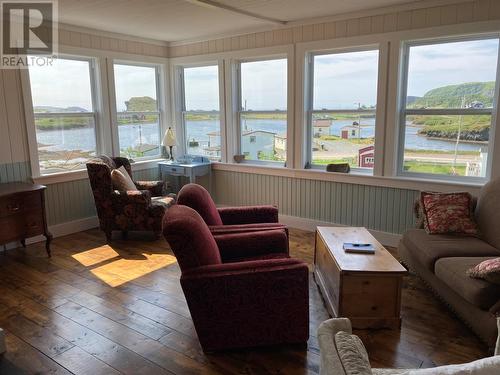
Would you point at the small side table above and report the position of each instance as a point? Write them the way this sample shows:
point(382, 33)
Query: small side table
point(189, 170)
point(22, 213)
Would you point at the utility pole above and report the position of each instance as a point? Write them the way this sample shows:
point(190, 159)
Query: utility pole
point(460, 118)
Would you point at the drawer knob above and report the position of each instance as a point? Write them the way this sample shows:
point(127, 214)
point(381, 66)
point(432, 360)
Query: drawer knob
point(14, 208)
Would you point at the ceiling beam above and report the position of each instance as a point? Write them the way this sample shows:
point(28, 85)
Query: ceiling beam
point(215, 5)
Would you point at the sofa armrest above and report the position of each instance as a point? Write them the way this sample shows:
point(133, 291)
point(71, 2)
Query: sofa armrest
point(248, 214)
point(330, 363)
point(139, 197)
point(157, 188)
point(234, 246)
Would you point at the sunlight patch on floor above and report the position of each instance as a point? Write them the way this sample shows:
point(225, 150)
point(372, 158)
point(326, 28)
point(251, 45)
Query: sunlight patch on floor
point(120, 269)
point(97, 255)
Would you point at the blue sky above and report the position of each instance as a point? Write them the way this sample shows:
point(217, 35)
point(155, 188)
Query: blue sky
point(446, 64)
point(343, 80)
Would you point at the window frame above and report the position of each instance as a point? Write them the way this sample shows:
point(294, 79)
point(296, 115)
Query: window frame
point(402, 111)
point(177, 97)
point(238, 112)
point(379, 111)
point(31, 115)
point(179, 72)
point(160, 100)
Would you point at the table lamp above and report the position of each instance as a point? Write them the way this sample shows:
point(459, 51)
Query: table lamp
point(169, 140)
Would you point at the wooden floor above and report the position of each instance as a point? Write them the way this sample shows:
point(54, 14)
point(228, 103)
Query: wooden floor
point(99, 309)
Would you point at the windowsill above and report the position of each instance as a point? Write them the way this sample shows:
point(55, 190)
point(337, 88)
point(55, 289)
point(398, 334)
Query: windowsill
point(397, 182)
point(81, 174)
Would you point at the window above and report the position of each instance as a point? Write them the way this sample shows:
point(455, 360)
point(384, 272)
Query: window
point(263, 109)
point(448, 96)
point(201, 111)
point(138, 114)
point(64, 113)
point(342, 108)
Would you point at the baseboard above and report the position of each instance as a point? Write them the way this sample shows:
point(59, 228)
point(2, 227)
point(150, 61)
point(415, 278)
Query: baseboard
point(63, 229)
point(385, 238)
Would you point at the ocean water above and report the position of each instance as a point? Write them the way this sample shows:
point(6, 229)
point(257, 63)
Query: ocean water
point(129, 135)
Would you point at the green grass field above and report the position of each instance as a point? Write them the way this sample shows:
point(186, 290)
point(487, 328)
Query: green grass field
point(434, 168)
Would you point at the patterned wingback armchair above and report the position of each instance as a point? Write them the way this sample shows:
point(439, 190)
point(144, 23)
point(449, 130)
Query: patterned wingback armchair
point(140, 210)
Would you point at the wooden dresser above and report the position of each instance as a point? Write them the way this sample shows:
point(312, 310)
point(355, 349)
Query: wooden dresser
point(22, 213)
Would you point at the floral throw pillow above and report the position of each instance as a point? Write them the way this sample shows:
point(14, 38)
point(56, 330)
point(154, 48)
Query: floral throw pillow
point(448, 213)
point(488, 270)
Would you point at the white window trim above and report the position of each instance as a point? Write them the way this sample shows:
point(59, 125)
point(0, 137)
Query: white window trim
point(308, 111)
point(402, 111)
point(160, 100)
point(104, 137)
point(177, 97)
point(95, 71)
point(180, 104)
point(303, 75)
point(233, 99)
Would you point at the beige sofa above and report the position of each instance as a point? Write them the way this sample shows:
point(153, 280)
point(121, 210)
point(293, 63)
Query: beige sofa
point(331, 364)
point(442, 261)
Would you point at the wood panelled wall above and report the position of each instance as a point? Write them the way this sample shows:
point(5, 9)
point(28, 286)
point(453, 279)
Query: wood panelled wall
point(384, 209)
point(99, 42)
point(461, 12)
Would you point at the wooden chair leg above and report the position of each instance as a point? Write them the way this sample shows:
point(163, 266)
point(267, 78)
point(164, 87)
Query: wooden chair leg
point(109, 235)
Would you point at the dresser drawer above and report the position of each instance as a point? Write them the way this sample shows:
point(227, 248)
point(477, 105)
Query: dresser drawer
point(21, 225)
point(33, 223)
point(173, 170)
point(19, 203)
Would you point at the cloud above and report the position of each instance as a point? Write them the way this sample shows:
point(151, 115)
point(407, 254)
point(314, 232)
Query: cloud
point(437, 65)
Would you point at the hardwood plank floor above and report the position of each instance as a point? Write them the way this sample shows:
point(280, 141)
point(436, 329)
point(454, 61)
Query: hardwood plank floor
point(95, 308)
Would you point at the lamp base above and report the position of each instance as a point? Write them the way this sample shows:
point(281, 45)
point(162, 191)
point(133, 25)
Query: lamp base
point(171, 153)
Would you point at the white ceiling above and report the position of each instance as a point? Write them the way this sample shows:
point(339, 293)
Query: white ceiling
point(176, 20)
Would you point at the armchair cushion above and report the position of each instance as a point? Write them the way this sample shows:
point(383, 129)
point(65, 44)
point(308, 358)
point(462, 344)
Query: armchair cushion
point(157, 188)
point(238, 246)
point(140, 197)
point(121, 180)
point(248, 215)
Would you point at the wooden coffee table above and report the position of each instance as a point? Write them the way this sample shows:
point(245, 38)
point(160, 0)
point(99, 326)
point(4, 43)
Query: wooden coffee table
point(366, 288)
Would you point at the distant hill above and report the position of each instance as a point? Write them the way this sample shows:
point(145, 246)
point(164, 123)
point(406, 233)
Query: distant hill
point(48, 108)
point(412, 99)
point(451, 96)
point(475, 128)
point(141, 104)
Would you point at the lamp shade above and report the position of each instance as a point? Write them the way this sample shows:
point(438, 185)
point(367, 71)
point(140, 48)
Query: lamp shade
point(169, 137)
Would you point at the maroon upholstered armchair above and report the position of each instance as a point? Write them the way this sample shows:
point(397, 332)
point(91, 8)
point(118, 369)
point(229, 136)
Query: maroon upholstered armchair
point(140, 210)
point(229, 219)
point(242, 289)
